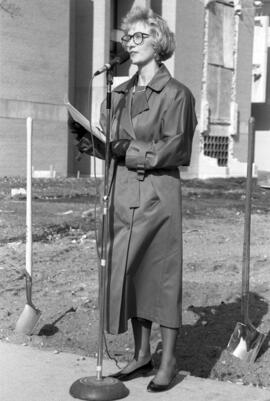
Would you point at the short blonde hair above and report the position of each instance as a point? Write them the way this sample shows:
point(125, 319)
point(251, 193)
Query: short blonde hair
point(164, 38)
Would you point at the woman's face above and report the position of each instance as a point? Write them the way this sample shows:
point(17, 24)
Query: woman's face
point(140, 54)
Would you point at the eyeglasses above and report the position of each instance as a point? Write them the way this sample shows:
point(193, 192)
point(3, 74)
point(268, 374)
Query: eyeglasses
point(138, 38)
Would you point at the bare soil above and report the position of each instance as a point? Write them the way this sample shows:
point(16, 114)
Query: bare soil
point(65, 274)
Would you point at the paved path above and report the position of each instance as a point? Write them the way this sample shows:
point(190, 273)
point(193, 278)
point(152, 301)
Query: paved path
point(29, 374)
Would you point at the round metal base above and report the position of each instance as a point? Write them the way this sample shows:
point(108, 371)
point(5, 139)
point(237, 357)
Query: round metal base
point(105, 389)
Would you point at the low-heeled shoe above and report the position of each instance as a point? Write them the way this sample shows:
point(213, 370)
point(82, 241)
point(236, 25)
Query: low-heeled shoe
point(155, 388)
point(141, 371)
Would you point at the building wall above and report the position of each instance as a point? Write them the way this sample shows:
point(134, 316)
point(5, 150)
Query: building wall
point(261, 112)
point(34, 54)
point(220, 91)
point(80, 71)
point(244, 78)
point(48, 52)
point(189, 62)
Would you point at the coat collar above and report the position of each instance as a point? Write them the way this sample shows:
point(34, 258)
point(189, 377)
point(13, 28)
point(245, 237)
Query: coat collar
point(157, 83)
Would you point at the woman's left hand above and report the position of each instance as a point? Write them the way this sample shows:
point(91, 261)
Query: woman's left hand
point(119, 148)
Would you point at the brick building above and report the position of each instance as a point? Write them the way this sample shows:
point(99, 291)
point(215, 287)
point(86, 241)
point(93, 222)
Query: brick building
point(261, 87)
point(50, 49)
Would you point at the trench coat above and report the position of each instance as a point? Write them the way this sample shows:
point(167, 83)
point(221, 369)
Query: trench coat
point(144, 273)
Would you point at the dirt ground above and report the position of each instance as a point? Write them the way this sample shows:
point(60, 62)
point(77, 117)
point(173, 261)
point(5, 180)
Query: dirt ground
point(65, 274)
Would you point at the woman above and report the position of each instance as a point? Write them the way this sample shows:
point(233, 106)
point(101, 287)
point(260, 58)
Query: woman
point(153, 121)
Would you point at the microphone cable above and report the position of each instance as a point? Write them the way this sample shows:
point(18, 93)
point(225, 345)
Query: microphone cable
point(96, 204)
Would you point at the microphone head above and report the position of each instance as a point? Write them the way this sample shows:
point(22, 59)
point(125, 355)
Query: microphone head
point(121, 58)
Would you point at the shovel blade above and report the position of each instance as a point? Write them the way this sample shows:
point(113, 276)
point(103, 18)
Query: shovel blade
point(245, 342)
point(27, 320)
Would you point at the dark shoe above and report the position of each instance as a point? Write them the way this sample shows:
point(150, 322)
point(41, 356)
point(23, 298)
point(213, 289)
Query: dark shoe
point(141, 371)
point(156, 388)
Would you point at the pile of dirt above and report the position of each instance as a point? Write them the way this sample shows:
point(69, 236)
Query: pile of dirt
point(65, 273)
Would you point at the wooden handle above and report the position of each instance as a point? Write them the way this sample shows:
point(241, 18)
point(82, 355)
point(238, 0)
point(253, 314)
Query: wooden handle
point(247, 223)
point(28, 261)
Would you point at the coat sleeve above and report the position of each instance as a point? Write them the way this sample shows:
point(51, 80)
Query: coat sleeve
point(174, 147)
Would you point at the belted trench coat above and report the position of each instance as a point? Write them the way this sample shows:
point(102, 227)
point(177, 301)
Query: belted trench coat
point(145, 233)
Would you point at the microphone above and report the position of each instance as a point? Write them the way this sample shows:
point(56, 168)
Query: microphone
point(121, 58)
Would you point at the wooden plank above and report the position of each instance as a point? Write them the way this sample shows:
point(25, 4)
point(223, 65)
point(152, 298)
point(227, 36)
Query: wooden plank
point(215, 36)
point(219, 93)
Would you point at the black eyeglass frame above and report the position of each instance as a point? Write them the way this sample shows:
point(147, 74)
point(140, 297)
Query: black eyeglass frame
point(140, 35)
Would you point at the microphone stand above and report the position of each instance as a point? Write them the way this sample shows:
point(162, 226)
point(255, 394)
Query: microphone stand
point(99, 388)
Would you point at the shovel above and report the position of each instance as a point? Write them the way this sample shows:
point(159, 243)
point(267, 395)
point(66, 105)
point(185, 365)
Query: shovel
point(246, 341)
point(30, 315)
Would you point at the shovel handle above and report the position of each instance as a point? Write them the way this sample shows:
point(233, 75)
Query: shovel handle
point(246, 244)
point(28, 259)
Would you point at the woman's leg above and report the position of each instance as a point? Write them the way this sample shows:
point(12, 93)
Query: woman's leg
point(141, 332)
point(142, 351)
point(167, 369)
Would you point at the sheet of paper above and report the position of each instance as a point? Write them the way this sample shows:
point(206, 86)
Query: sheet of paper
point(81, 119)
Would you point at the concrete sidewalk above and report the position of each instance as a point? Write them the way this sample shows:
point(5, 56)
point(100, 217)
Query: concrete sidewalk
point(29, 374)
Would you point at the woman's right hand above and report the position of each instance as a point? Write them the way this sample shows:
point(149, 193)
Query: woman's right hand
point(85, 145)
point(77, 129)
point(83, 137)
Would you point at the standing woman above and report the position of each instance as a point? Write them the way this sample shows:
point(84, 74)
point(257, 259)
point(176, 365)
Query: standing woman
point(153, 122)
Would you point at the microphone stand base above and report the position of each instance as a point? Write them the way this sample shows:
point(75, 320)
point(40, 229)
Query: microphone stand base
point(93, 389)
